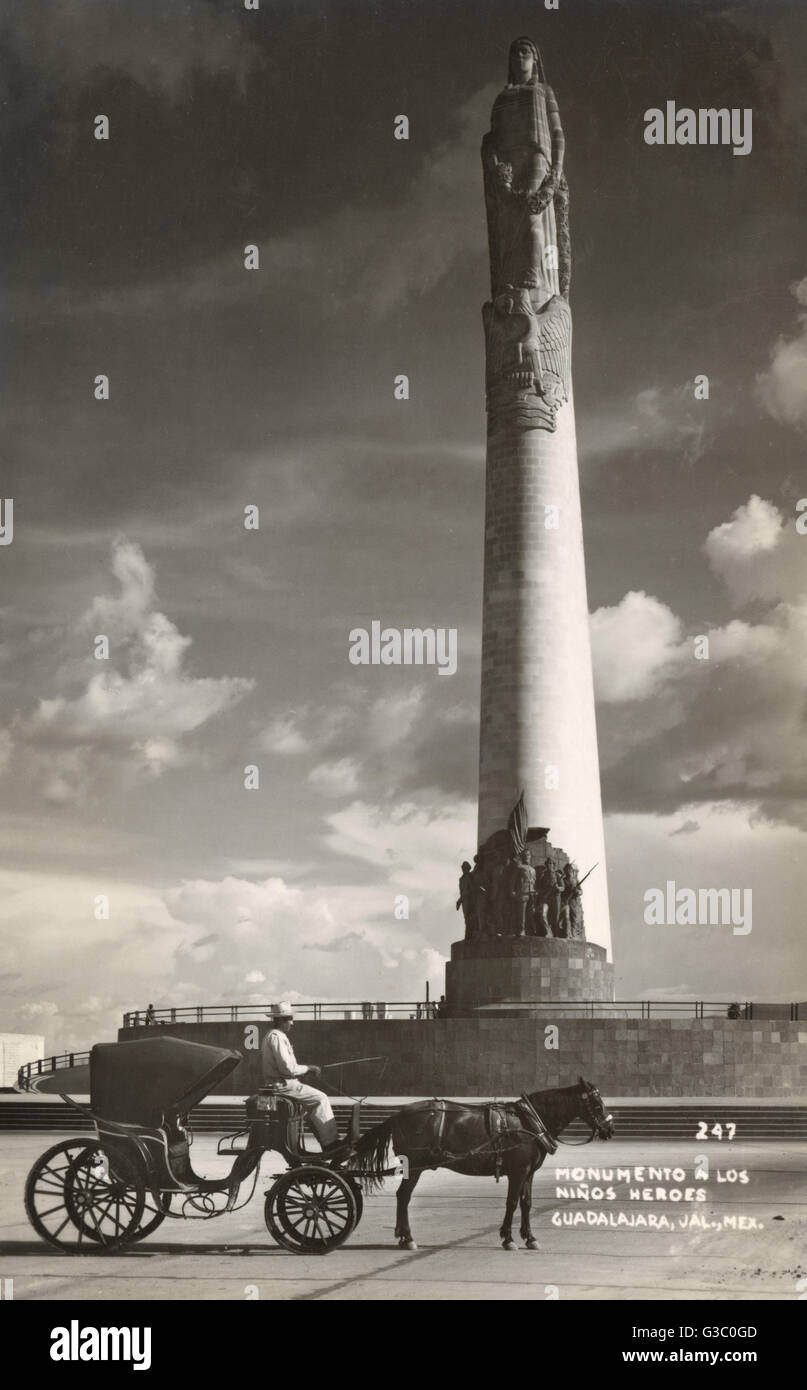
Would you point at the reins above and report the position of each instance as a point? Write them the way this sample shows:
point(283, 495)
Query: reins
point(577, 1143)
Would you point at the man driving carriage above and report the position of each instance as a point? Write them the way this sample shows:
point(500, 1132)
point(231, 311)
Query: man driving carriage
point(282, 1071)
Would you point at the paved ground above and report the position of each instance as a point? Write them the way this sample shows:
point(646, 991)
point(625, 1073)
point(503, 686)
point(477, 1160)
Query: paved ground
point(456, 1221)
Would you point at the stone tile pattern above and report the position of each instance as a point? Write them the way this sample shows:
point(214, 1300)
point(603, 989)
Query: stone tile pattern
point(537, 699)
point(526, 968)
point(503, 1056)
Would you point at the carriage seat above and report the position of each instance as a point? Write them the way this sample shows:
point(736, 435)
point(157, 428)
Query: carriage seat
point(271, 1104)
point(163, 1148)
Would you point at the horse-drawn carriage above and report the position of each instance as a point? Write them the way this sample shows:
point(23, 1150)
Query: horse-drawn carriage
point(101, 1193)
point(105, 1192)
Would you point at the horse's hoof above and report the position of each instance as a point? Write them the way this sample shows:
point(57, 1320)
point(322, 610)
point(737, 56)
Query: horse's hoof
point(532, 1245)
point(509, 1245)
point(406, 1244)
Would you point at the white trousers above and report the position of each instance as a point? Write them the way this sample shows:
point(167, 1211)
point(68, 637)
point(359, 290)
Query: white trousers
point(317, 1107)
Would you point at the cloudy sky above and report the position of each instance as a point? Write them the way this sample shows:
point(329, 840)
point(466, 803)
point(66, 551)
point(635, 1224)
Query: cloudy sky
point(273, 388)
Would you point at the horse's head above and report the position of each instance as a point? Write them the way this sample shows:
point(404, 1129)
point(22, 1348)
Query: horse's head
point(593, 1111)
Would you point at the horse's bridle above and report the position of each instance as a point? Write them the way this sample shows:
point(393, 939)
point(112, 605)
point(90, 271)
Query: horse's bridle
point(591, 1119)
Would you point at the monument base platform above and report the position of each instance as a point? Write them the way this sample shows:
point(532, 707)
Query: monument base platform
point(516, 970)
point(485, 1056)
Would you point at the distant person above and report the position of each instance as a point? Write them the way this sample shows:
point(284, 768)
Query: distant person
point(151, 1017)
point(441, 1008)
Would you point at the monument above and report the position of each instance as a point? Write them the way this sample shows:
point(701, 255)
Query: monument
point(527, 935)
point(534, 895)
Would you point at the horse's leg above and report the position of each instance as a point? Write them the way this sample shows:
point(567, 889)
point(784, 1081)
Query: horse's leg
point(402, 1228)
point(515, 1180)
point(526, 1204)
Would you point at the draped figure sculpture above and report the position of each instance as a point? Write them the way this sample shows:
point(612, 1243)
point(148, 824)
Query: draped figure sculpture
point(528, 323)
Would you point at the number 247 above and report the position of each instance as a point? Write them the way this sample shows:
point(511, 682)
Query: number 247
point(716, 1132)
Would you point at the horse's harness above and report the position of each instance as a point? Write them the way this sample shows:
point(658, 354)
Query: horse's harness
point(507, 1123)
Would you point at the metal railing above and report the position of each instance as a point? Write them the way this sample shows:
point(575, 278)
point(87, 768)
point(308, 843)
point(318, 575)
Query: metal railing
point(428, 1008)
point(44, 1066)
point(258, 1013)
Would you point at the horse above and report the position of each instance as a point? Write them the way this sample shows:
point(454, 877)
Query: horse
point(480, 1141)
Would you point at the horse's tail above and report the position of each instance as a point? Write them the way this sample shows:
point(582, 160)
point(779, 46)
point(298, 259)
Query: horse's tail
point(371, 1156)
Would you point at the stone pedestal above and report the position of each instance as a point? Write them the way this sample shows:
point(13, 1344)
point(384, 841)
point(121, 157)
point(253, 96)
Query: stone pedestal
point(517, 970)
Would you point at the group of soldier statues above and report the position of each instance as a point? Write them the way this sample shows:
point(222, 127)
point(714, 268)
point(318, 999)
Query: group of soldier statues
point(510, 897)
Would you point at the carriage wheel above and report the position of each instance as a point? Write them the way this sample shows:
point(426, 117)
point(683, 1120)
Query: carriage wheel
point(311, 1210)
point(82, 1199)
point(153, 1216)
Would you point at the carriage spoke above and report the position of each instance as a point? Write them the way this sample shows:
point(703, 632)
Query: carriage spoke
point(55, 1186)
point(50, 1210)
point(61, 1228)
point(102, 1214)
point(333, 1229)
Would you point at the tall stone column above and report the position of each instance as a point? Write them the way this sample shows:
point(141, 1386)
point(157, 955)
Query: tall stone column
point(538, 733)
point(538, 759)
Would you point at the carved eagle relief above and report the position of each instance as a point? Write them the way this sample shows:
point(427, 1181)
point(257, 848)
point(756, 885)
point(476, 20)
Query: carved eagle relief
point(529, 356)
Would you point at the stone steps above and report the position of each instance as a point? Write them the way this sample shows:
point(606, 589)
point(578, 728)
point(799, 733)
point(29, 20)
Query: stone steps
point(651, 1120)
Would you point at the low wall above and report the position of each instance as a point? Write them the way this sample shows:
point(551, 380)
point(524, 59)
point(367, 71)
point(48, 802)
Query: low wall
point(504, 1056)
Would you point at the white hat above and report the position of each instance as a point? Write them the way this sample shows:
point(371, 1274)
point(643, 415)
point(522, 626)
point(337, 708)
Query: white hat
point(282, 1010)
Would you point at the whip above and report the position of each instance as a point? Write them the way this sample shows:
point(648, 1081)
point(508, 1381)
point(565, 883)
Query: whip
point(349, 1061)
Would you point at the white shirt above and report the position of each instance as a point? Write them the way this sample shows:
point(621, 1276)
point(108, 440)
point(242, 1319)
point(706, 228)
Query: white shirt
point(277, 1058)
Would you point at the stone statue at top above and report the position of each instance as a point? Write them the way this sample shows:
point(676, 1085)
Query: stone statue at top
point(528, 322)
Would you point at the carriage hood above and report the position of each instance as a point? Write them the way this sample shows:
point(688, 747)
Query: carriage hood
point(143, 1081)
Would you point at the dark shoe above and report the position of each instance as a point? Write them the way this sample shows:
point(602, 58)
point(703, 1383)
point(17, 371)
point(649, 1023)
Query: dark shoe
point(340, 1148)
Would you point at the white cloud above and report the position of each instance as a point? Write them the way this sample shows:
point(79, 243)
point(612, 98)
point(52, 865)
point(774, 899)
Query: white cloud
point(413, 841)
point(633, 645)
point(284, 736)
point(32, 1010)
point(140, 704)
point(757, 554)
point(782, 389)
point(670, 418)
point(393, 717)
point(341, 941)
point(674, 729)
point(339, 778)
